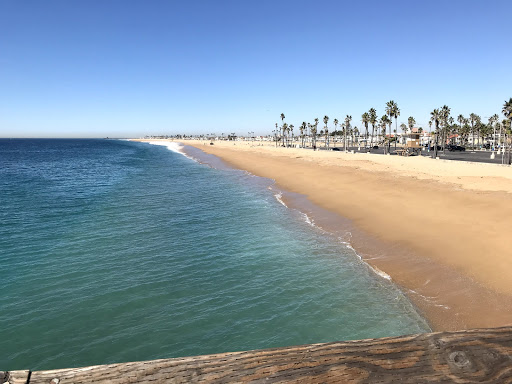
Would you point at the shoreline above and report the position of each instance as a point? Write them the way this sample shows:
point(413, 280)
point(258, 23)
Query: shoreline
point(452, 291)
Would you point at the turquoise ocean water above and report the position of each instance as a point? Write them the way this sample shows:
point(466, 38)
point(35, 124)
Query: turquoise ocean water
point(114, 251)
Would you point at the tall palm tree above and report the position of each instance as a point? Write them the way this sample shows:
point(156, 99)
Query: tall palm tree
point(507, 111)
point(384, 122)
point(404, 128)
point(365, 118)
point(435, 117)
point(474, 119)
point(410, 123)
point(314, 131)
point(348, 119)
point(326, 120)
point(290, 129)
point(309, 133)
point(285, 129)
point(396, 113)
point(493, 120)
point(392, 110)
point(460, 120)
point(356, 134)
point(336, 122)
point(302, 130)
point(373, 121)
point(429, 134)
point(445, 119)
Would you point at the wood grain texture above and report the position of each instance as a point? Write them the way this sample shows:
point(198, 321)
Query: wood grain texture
point(15, 377)
point(483, 356)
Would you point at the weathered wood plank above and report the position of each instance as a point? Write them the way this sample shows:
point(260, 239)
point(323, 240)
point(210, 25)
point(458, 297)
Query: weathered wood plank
point(15, 377)
point(483, 356)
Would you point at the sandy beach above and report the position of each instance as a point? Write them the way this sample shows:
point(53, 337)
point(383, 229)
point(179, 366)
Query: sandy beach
point(439, 229)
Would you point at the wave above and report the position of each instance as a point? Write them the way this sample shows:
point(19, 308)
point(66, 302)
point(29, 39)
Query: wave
point(279, 197)
point(429, 299)
point(174, 147)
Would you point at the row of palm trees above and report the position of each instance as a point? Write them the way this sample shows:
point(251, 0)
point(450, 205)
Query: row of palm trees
point(445, 128)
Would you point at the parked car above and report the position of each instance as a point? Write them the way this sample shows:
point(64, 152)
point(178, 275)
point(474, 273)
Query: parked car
point(453, 147)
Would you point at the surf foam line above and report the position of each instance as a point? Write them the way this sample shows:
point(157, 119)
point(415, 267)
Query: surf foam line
point(279, 197)
point(174, 147)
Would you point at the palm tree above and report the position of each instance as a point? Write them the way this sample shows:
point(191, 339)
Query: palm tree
point(373, 121)
point(493, 120)
point(507, 111)
point(313, 132)
point(392, 110)
point(410, 122)
point(365, 118)
point(445, 119)
point(302, 129)
point(336, 122)
point(404, 129)
point(356, 134)
point(285, 129)
point(348, 119)
point(507, 124)
point(384, 122)
point(474, 119)
point(326, 120)
point(429, 133)
point(460, 120)
point(396, 113)
point(290, 129)
point(435, 117)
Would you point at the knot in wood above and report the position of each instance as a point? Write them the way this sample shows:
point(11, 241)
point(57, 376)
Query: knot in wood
point(460, 359)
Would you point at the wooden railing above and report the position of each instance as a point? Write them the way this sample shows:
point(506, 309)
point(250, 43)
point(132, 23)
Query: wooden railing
point(482, 355)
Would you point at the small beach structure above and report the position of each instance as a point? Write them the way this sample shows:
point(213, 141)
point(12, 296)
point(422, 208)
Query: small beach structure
point(412, 145)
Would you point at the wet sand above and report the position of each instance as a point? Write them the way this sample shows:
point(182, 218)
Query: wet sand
point(439, 229)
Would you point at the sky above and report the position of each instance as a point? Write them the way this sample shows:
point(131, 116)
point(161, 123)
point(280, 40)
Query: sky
point(126, 68)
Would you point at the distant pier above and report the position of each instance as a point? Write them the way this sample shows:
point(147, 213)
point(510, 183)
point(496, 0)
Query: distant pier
point(481, 355)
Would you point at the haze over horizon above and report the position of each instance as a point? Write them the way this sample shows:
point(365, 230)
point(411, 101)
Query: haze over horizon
point(130, 68)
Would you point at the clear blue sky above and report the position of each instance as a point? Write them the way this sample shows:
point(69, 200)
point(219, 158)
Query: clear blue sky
point(126, 68)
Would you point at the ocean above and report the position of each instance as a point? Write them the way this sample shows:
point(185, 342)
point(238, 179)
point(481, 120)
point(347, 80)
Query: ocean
point(116, 251)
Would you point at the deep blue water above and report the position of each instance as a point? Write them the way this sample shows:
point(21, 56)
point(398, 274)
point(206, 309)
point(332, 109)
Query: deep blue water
point(116, 251)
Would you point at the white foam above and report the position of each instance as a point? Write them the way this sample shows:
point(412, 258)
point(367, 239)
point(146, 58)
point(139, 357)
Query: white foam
point(278, 197)
point(172, 146)
point(308, 220)
point(382, 274)
point(430, 299)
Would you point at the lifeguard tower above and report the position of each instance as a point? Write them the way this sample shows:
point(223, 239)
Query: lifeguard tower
point(412, 145)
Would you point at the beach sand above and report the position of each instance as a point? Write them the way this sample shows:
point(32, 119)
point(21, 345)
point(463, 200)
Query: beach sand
point(439, 229)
